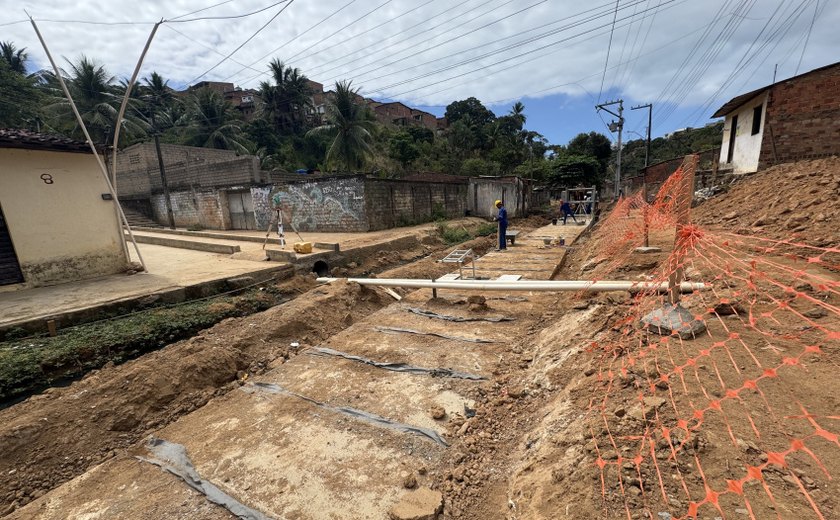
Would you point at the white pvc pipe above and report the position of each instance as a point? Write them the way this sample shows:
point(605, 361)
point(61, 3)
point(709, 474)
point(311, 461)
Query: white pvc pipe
point(520, 285)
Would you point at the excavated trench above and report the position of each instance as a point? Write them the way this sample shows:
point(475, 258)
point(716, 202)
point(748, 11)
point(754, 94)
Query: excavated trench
point(110, 409)
point(377, 410)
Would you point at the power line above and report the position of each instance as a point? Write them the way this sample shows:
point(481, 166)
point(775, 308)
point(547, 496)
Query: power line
point(289, 3)
point(521, 43)
point(426, 49)
point(810, 28)
point(345, 6)
point(380, 43)
point(342, 42)
point(202, 9)
point(357, 72)
point(209, 48)
point(563, 40)
point(175, 20)
point(322, 40)
point(609, 46)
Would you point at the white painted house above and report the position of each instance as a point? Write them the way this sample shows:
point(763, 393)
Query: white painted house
point(743, 131)
point(790, 120)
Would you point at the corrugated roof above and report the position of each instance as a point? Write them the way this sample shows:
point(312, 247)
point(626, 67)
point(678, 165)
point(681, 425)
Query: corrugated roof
point(19, 138)
point(739, 101)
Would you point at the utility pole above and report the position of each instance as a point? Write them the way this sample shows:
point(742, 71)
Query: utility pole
point(170, 215)
point(615, 126)
point(649, 106)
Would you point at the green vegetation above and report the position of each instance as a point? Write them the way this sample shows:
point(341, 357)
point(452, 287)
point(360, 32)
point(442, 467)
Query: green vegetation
point(27, 365)
point(453, 235)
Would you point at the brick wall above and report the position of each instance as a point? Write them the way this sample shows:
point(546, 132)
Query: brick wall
point(186, 167)
point(204, 208)
point(802, 119)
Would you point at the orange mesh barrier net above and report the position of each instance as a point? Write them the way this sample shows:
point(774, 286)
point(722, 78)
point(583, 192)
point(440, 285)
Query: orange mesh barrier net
point(734, 411)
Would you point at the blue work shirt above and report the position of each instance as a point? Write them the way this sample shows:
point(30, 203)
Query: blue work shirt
point(502, 218)
point(566, 209)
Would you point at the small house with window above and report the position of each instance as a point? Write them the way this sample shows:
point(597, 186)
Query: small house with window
point(787, 121)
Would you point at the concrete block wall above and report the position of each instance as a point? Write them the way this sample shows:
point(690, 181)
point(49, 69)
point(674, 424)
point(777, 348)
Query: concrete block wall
point(194, 208)
point(801, 121)
point(332, 204)
point(484, 192)
point(392, 203)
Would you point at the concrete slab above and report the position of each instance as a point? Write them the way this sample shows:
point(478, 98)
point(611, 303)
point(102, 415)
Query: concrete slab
point(196, 245)
point(172, 274)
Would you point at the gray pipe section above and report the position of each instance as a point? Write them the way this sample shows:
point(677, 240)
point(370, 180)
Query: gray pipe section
point(520, 285)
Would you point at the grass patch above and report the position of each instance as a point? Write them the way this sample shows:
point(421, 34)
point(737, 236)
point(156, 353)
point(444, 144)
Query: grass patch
point(453, 235)
point(486, 229)
point(29, 365)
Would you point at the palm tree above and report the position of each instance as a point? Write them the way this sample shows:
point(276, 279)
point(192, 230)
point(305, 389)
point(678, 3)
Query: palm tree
point(517, 112)
point(16, 58)
point(287, 99)
point(96, 97)
point(213, 123)
point(349, 126)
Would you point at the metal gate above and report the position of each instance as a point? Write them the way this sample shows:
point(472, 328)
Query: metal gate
point(9, 267)
point(241, 207)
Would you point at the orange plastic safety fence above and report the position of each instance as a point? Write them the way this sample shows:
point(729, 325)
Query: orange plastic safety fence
point(737, 412)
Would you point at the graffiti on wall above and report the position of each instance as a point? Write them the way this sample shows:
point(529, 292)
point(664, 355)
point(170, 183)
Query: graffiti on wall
point(334, 205)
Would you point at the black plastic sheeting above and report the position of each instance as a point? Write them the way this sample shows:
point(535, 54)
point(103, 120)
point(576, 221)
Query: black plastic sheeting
point(436, 334)
point(396, 367)
point(172, 457)
point(457, 319)
point(361, 415)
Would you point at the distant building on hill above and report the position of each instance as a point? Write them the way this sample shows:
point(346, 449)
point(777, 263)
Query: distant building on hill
point(790, 120)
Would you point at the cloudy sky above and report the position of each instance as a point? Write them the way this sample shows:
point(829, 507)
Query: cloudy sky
point(560, 57)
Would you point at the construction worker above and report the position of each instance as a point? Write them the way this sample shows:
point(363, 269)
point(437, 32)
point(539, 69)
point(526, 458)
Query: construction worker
point(567, 211)
point(501, 218)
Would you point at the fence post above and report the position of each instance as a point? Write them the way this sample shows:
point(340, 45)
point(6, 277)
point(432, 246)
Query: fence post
point(685, 195)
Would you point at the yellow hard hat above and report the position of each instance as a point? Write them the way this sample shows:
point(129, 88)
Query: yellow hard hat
point(497, 203)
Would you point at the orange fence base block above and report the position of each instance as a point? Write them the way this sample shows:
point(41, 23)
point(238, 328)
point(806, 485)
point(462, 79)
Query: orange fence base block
point(673, 319)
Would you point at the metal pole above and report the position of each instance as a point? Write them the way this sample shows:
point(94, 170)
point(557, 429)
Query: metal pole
point(124, 103)
point(90, 143)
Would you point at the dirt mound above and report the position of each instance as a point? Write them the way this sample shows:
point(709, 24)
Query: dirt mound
point(112, 408)
point(795, 201)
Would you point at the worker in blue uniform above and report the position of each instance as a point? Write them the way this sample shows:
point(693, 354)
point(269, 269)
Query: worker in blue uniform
point(501, 218)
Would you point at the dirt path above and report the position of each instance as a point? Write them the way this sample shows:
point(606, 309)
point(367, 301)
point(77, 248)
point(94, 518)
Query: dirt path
point(291, 442)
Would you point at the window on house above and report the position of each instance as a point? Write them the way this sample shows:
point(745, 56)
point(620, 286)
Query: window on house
point(418, 117)
point(756, 126)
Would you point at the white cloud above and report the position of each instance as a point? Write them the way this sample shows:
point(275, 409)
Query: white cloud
point(576, 65)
